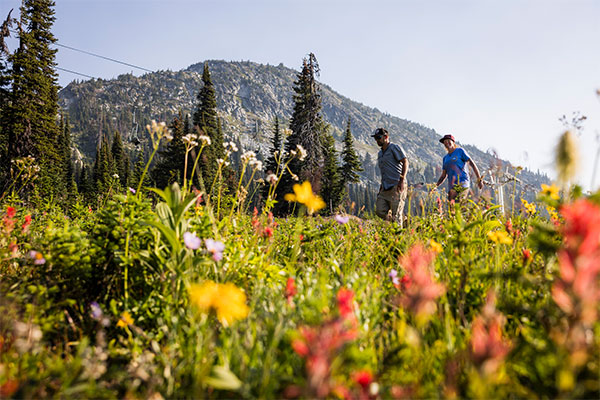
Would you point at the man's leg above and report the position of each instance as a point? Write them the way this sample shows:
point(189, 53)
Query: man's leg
point(382, 205)
point(398, 206)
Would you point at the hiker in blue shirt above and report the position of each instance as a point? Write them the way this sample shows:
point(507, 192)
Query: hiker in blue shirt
point(393, 166)
point(455, 168)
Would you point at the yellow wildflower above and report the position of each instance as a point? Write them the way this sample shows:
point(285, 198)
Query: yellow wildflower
point(552, 212)
point(530, 207)
point(435, 246)
point(304, 194)
point(227, 300)
point(551, 191)
point(125, 320)
point(499, 237)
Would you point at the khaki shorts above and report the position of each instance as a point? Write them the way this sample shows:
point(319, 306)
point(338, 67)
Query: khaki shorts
point(391, 201)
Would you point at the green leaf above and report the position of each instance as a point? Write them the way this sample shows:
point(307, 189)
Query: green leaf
point(222, 378)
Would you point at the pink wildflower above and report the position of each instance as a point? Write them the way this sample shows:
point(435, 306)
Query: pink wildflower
point(419, 290)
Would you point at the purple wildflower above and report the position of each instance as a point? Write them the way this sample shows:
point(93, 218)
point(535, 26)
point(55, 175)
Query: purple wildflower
point(342, 219)
point(38, 258)
point(132, 190)
point(96, 311)
point(191, 241)
point(394, 277)
point(216, 248)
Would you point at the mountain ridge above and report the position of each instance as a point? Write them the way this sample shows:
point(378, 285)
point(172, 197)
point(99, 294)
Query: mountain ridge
point(249, 96)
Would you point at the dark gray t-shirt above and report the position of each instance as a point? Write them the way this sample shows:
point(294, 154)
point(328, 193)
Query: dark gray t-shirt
point(390, 166)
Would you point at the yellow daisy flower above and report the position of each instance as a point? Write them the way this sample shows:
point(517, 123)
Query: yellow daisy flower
point(125, 320)
point(435, 246)
point(499, 237)
point(551, 191)
point(304, 194)
point(227, 300)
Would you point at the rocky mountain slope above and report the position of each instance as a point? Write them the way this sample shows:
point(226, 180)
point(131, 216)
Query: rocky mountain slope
point(249, 96)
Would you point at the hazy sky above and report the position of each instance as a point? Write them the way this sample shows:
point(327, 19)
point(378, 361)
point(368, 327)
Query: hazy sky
point(495, 74)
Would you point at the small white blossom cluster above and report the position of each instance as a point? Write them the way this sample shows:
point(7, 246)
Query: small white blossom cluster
point(287, 132)
point(230, 147)
point(272, 179)
point(159, 130)
point(248, 156)
point(300, 152)
point(222, 163)
point(190, 140)
point(26, 166)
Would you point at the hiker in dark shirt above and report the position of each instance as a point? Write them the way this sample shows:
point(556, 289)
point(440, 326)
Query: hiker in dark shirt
point(393, 166)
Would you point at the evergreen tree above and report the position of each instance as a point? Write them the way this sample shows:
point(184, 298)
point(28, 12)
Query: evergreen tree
point(67, 166)
point(170, 166)
point(350, 161)
point(4, 96)
point(138, 170)
point(272, 165)
point(118, 159)
point(31, 117)
point(308, 130)
point(205, 119)
point(332, 188)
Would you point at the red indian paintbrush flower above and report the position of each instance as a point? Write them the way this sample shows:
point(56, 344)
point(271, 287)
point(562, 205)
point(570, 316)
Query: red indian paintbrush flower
point(419, 288)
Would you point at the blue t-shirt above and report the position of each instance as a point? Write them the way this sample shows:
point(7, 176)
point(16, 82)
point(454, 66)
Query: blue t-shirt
point(390, 166)
point(455, 165)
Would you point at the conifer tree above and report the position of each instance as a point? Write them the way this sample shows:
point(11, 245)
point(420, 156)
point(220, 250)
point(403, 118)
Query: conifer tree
point(4, 96)
point(138, 170)
point(272, 165)
point(350, 161)
point(170, 167)
point(205, 119)
point(308, 129)
point(118, 158)
point(31, 119)
point(332, 188)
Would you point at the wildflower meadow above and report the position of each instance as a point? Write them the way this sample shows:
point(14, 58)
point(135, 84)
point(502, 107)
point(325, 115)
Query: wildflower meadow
point(178, 294)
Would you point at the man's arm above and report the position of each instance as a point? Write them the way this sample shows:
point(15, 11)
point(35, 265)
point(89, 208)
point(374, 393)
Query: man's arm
point(477, 174)
point(402, 181)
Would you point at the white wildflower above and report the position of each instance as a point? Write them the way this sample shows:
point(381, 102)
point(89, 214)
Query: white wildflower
point(204, 139)
point(295, 177)
point(272, 179)
point(287, 132)
point(116, 176)
point(301, 152)
point(248, 156)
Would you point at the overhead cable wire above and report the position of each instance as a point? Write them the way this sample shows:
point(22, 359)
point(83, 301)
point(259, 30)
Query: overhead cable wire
point(103, 57)
point(74, 72)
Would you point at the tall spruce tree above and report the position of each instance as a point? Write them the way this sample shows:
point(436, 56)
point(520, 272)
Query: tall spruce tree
point(170, 166)
point(350, 161)
point(205, 118)
point(118, 159)
point(332, 188)
point(272, 165)
point(308, 129)
point(31, 117)
point(5, 30)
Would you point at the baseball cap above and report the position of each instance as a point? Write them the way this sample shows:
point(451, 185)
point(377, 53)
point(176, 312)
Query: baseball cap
point(447, 137)
point(379, 132)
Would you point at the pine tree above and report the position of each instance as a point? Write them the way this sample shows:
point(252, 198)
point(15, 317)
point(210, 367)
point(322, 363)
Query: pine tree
point(272, 165)
point(4, 96)
point(138, 170)
point(308, 129)
point(350, 161)
point(205, 119)
point(118, 159)
point(332, 188)
point(31, 117)
point(170, 166)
